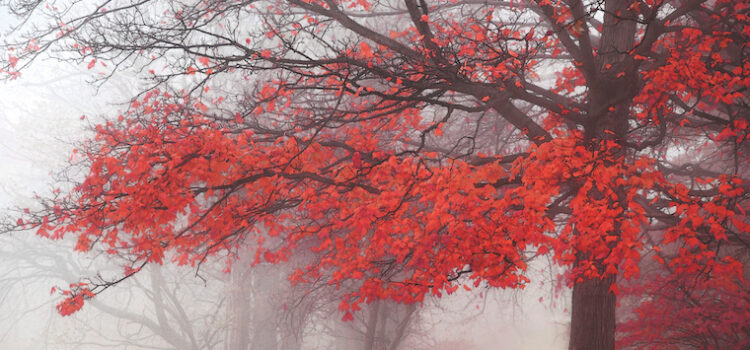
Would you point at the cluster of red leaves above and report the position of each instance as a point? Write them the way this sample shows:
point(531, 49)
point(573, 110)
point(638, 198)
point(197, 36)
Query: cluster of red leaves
point(74, 297)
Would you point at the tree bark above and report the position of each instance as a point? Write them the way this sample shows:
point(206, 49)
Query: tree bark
point(593, 315)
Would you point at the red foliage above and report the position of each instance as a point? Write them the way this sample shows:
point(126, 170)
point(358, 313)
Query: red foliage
point(640, 146)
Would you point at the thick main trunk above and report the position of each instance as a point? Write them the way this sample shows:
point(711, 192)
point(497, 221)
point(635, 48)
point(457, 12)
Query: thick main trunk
point(612, 87)
point(593, 316)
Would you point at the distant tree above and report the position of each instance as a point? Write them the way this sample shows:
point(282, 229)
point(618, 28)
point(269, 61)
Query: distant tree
point(368, 131)
point(160, 309)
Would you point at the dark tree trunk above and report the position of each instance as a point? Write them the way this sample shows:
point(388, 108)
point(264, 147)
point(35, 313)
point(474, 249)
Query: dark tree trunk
point(611, 81)
point(593, 316)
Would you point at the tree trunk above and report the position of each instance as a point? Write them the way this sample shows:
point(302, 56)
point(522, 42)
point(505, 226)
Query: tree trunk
point(593, 318)
point(612, 84)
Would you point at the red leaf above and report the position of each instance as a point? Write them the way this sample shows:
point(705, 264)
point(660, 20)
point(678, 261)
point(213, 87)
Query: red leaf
point(365, 49)
point(357, 160)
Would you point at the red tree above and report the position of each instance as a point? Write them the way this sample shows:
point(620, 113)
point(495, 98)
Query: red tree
point(413, 143)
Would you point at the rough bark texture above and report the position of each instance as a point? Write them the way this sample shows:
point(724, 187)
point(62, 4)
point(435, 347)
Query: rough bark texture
point(593, 316)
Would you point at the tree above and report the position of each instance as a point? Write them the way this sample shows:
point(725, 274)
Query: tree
point(162, 307)
point(415, 146)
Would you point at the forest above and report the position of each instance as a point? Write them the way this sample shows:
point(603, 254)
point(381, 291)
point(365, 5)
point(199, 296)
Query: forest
point(375, 174)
